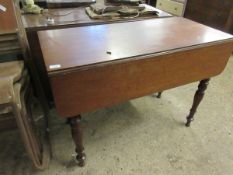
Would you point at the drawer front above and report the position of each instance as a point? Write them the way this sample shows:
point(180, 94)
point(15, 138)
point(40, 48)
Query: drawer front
point(172, 7)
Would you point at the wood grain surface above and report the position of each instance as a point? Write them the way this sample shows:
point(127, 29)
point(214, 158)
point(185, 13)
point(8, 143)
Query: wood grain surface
point(82, 46)
point(7, 19)
point(103, 86)
point(63, 18)
point(147, 56)
point(73, 17)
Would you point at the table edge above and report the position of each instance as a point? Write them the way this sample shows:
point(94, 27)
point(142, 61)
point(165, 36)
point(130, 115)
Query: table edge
point(133, 58)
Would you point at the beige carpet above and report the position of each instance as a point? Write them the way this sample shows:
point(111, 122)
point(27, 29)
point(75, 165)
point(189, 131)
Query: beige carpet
point(143, 136)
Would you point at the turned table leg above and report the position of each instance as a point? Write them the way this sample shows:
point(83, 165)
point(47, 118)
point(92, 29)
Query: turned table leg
point(77, 135)
point(197, 99)
point(159, 94)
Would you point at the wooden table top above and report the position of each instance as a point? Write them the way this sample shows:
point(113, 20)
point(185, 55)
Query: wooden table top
point(86, 46)
point(70, 17)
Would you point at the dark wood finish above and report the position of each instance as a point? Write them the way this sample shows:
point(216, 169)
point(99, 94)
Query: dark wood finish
point(229, 23)
point(9, 44)
point(30, 61)
point(66, 4)
point(122, 40)
point(39, 66)
point(213, 13)
point(91, 88)
point(197, 99)
point(78, 17)
point(8, 21)
point(46, 151)
point(125, 63)
point(159, 95)
point(77, 136)
point(7, 122)
point(142, 66)
point(151, 2)
point(33, 23)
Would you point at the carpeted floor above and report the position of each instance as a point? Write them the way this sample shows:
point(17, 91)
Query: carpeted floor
point(143, 136)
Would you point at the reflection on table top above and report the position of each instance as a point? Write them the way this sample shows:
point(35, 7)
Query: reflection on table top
point(82, 46)
point(68, 17)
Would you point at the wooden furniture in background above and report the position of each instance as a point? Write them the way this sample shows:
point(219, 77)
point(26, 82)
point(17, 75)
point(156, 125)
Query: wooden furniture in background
point(9, 43)
point(9, 48)
point(94, 67)
point(175, 7)
point(33, 23)
point(7, 18)
point(229, 23)
point(12, 42)
point(214, 13)
point(151, 2)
